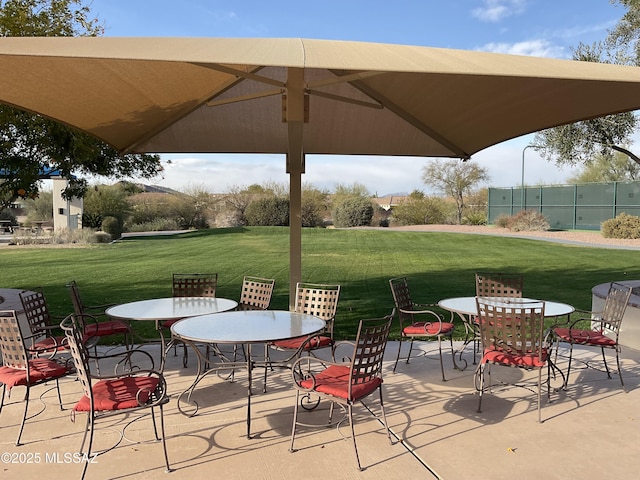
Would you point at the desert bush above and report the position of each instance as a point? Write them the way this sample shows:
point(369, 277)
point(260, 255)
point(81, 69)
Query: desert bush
point(112, 226)
point(268, 211)
point(475, 218)
point(502, 221)
point(155, 225)
point(622, 226)
point(528, 220)
point(352, 212)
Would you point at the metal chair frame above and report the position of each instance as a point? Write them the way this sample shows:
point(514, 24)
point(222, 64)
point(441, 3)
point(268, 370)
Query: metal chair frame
point(356, 379)
point(147, 388)
point(16, 358)
point(606, 323)
point(512, 335)
point(407, 310)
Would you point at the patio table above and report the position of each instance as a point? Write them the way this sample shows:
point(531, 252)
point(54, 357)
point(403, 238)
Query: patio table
point(240, 327)
point(466, 309)
point(160, 310)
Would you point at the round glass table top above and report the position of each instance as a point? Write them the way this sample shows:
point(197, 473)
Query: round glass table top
point(467, 305)
point(250, 326)
point(170, 308)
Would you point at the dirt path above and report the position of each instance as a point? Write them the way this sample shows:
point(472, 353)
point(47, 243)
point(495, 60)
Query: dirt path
point(594, 238)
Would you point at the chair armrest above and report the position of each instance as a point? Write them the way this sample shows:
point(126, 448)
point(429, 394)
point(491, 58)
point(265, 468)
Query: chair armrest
point(127, 365)
point(305, 367)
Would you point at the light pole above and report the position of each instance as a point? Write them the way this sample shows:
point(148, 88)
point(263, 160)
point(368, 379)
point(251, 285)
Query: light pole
point(522, 180)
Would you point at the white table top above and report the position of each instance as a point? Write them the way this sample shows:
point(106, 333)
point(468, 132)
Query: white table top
point(250, 326)
point(467, 306)
point(170, 308)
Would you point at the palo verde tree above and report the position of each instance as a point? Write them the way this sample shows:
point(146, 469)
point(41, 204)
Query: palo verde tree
point(599, 138)
point(455, 178)
point(32, 146)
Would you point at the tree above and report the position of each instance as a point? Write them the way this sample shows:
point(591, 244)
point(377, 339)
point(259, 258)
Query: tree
point(40, 207)
point(32, 146)
point(314, 206)
point(580, 142)
point(454, 178)
point(608, 168)
point(268, 211)
point(105, 201)
point(353, 211)
point(420, 209)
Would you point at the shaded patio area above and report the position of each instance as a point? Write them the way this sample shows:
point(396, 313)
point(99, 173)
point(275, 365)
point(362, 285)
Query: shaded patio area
point(589, 431)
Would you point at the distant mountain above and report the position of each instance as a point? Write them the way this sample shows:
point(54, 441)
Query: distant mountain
point(399, 194)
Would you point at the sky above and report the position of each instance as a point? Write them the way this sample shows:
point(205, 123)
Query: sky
point(541, 28)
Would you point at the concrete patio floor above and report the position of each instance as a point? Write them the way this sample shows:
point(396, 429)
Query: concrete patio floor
point(589, 431)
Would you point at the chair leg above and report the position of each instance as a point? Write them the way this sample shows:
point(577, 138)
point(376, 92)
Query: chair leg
point(164, 438)
point(618, 364)
point(24, 416)
point(604, 359)
point(569, 367)
point(398, 356)
point(353, 435)
point(441, 362)
point(384, 416)
point(295, 421)
point(91, 424)
point(410, 350)
point(539, 394)
point(480, 373)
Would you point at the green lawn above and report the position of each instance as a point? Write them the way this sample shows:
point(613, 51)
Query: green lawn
point(438, 265)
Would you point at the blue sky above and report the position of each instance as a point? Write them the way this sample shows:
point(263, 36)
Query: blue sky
point(543, 28)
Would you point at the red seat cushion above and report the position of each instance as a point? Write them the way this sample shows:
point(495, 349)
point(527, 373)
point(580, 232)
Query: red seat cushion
point(50, 344)
point(102, 329)
point(335, 381)
point(428, 328)
point(295, 343)
point(40, 369)
point(118, 394)
point(529, 360)
point(584, 337)
point(168, 323)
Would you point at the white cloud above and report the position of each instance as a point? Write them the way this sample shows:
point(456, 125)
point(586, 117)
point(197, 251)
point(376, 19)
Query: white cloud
point(494, 11)
point(532, 48)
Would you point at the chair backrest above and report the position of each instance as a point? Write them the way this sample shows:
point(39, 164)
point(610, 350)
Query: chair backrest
point(401, 294)
point(194, 284)
point(516, 328)
point(78, 306)
point(256, 293)
point(12, 348)
point(499, 285)
point(371, 341)
point(317, 299)
point(73, 330)
point(36, 311)
point(614, 307)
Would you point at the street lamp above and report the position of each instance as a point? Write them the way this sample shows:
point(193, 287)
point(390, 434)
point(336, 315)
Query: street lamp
point(522, 180)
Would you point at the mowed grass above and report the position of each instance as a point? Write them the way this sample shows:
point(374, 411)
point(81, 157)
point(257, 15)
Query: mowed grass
point(439, 265)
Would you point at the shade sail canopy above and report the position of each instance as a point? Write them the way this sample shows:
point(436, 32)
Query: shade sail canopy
point(298, 96)
point(226, 95)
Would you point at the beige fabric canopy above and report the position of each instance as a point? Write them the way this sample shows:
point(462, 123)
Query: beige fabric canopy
point(298, 96)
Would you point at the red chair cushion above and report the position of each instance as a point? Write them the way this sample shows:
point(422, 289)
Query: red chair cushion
point(102, 329)
point(335, 381)
point(40, 369)
point(168, 323)
point(49, 344)
point(295, 343)
point(428, 328)
point(118, 394)
point(584, 337)
point(514, 360)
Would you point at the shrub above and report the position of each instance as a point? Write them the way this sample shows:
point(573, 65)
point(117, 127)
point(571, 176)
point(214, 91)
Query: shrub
point(623, 226)
point(420, 210)
point(111, 225)
point(352, 212)
point(475, 218)
point(268, 211)
point(155, 225)
point(528, 220)
point(502, 221)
